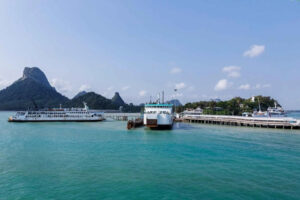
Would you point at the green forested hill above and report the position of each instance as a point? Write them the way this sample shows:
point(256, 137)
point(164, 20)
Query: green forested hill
point(235, 106)
point(33, 91)
point(94, 101)
point(32, 88)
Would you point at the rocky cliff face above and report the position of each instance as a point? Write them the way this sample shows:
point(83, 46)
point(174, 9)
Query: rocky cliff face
point(118, 100)
point(36, 75)
point(31, 89)
point(175, 102)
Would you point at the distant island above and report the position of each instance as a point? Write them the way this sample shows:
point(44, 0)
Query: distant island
point(235, 106)
point(33, 91)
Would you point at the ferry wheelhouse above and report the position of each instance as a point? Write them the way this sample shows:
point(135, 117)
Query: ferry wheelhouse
point(58, 115)
point(158, 116)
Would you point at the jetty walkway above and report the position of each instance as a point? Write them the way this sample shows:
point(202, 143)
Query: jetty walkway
point(277, 123)
point(122, 116)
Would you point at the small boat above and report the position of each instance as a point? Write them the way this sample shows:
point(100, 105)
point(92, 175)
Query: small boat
point(260, 113)
point(58, 115)
point(135, 123)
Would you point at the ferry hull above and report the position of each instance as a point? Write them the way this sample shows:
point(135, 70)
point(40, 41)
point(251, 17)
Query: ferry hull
point(161, 127)
point(159, 122)
point(158, 116)
point(18, 120)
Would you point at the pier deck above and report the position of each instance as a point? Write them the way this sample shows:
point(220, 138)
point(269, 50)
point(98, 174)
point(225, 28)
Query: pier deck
point(122, 116)
point(277, 123)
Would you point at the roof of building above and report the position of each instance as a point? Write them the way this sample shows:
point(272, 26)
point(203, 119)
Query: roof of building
point(159, 105)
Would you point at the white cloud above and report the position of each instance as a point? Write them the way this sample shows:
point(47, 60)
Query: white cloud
point(245, 87)
point(179, 86)
point(232, 71)
point(84, 87)
point(125, 87)
point(175, 70)
point(191, 88)
point(110, 88)
point(255, 87)
point(255, 50)
point(62, 86)
point(231, 68)
point(142, 93)
point(261, 86)
point(234, 74)
point(222, 85)
point(176, 95)
point(4, 83)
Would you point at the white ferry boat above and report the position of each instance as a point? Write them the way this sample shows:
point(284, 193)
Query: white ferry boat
point(271, 112)
point(276, 111)
point(192, 112)
point(159, 116)
point(58, 115)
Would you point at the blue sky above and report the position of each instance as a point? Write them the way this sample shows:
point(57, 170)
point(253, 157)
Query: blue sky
point(206, 49)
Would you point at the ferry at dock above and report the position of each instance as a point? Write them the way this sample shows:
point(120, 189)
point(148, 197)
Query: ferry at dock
point(58, 115)
point(192, 112)
point(159, 116)
point(276, 111)
point(271, 112)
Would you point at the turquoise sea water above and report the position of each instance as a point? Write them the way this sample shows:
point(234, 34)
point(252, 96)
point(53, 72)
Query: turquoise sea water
point(105, 161)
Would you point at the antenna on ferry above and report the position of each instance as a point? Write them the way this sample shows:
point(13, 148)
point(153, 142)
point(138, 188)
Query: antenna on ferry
point(259, 105)
point(158, 100)
point(150, 99)
point(163, 97)
point(85, 106)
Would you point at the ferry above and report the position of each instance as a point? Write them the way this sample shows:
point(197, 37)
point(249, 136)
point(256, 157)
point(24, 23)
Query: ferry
point(271, 112)
point(276, 111)
point(58, 115)
point(192, 112)
point(158, 116)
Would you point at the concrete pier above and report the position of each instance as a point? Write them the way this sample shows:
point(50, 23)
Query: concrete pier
point(277, 123)
point(122, 116)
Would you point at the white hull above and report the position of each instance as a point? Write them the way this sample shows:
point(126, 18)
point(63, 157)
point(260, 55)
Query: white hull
point(158, 120)
point(55, 120)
